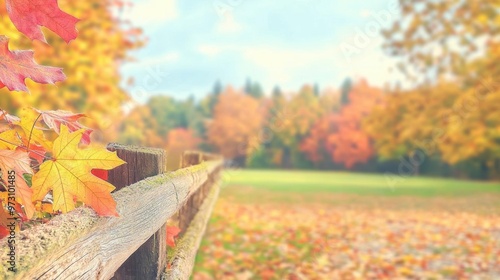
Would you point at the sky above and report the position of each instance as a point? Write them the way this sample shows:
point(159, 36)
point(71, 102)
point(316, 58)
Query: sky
point(289, 43)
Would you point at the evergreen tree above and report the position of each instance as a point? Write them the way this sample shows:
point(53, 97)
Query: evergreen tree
point(316, 89)
point(248, 86)
point(277, 93)
point(345, 90)
point(214, 95)
point(217, 88)
point(257, 91)
point(253, 89)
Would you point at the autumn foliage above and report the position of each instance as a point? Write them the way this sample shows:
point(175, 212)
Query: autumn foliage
point(46, 161)
point(182, 139)
point(90, 62)
point(341, 136)
point(235, 128)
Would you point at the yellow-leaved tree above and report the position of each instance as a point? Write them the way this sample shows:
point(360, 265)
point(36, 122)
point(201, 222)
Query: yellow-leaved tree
point(90, 63)
point(451, 48)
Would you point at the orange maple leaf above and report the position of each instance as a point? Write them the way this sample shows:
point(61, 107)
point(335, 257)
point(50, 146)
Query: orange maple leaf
point(3, 232)
point(19, 162)
point(172, 232)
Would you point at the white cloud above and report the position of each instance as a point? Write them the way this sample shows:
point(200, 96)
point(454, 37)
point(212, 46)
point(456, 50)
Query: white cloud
point(152, 12)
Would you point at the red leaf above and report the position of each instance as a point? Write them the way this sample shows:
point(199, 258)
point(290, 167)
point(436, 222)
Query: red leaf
point(16, 66)
point(54, 119)
point(3, 232)
point(20, 212)
point(29, 15)
point(36, 151)
point(172, 232)
point(103, 174)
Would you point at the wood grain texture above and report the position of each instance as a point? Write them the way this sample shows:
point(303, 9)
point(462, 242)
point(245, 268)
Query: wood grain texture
point(149, 261)
point(187, 211)
point(80, 245)
point(141, 163)
point(182, 263)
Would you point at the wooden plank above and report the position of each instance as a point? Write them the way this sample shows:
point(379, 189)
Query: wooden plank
point(149, 261)
point(80, 245)
point(141, 163)
point(182, 262)
point(189, 158)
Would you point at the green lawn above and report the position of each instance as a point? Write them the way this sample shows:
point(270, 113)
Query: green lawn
point(355, 183)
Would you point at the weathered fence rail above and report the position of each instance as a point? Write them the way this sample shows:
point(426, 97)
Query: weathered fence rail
point(81, 245)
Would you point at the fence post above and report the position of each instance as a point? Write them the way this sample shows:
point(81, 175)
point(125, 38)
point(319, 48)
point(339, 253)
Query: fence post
point(150, 260)
point(188, 210)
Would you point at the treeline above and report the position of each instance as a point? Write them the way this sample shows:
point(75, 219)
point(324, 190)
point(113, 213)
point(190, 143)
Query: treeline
point(447, 124)
point(357, 127)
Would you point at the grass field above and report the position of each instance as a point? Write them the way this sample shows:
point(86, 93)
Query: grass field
point(326, 225)
point(355, 183)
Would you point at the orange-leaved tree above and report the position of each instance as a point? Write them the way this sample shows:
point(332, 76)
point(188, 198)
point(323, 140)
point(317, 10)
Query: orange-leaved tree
point(43, 148)
point(182, 139)
point(341, 136)
point(235, 128)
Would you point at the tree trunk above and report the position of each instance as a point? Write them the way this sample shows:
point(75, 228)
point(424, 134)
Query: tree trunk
point(485, 170)
point(287, 161)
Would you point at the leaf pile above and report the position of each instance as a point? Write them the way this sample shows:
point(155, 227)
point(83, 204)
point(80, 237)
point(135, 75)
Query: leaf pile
point(321, 241)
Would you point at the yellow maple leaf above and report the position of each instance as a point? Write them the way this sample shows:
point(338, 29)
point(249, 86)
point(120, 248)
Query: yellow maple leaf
point(29, 118)
point(69, 176)
point(9, 140)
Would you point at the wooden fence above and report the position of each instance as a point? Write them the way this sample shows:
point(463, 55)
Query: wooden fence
point(81, 245)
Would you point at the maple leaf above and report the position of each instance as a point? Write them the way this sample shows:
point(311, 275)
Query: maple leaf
point(29, 15)
point(35, 151)
point(8, 117)
point(11, 140)
point(69, 175)
point(103, 174)
point(16, 66)
point(7, 120)
point(14, 160)
point(3, 232)
point(3, 215)
point(24, 195)
point(54, 120)
point(29, 118)
point(19, 162)
point(172, 232)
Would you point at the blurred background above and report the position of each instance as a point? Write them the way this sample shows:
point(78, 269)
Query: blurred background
point(336, 118)
point(311, 84)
